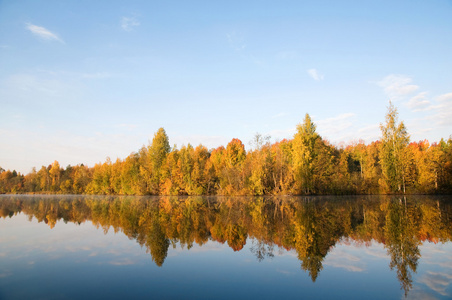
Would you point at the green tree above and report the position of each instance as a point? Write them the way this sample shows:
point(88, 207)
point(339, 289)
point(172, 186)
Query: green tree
point(393, 151)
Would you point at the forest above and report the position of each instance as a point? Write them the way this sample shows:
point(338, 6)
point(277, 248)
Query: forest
point(307, 164)
point(310, 226)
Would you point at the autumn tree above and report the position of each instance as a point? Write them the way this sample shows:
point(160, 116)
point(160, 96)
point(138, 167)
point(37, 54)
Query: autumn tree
point(157, 151)
point(304, 154)
point(198, 174)
point(262, 178)
point(55, 173)
point(325, 171)
point(31, 183)
point(44, 178)
point(235, 155)
point(283, 171)
point(171, 177)
point(81, 179)
point(393, 154)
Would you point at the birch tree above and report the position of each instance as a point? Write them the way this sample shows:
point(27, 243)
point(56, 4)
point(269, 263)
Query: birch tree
point(393, 151)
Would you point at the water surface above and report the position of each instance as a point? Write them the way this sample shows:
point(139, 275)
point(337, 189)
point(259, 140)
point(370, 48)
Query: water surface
point(70, 247)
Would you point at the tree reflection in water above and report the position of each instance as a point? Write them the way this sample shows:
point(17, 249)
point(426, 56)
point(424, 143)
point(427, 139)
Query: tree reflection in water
point(309, 225)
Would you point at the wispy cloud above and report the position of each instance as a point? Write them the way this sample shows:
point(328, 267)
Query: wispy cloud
point(335, 125)
point(128, 23)
point(441, 110)
point(43, 33)
point(397, 86)
point(418, 102)
point(344, 260)
point(418, 294)
point(344, 266)
point(437, 110)
point(377, 252)
point(439, 282)
point(443, 116)
point(122, 262)
point(315, 74)
point(445, 98)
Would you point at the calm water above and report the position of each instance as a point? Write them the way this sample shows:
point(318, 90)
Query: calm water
point(71, 247)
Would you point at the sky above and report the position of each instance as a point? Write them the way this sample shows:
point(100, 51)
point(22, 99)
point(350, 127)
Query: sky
point(81, 81)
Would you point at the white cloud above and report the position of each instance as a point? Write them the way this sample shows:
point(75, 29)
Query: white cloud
point(443, 116)
point(334, 126)
point(43, 33)
point(442, 110)
point(315, 74)
point(397, 86)
point(127, 23)
point(439, 282)
point(419, 127)
point(345, 260)
point(370, 132)
point(417, 293)
point(418, 102)
point(377, 252)
point(337, 129)
point(445, 98)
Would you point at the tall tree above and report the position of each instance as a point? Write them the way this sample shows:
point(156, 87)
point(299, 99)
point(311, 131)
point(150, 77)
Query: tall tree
point(304, 154)
point(158, 151)
point(393, 151)
point(235, 155)
point(55, 173)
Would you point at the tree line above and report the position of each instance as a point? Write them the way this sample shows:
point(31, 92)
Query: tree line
point(309, 226)
point(307, 164)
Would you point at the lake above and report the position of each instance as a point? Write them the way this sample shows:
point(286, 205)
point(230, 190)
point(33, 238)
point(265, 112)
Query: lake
point(92, 247)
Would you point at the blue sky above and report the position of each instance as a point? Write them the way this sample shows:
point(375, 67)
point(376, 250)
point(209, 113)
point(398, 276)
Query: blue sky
point(83, 80)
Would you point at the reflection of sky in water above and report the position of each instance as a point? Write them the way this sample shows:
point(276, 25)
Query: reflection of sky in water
point(80, 261)
point(434, 273)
